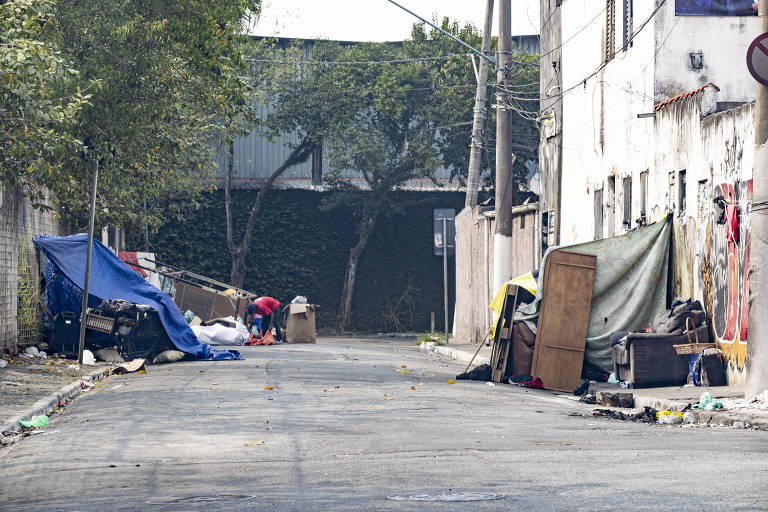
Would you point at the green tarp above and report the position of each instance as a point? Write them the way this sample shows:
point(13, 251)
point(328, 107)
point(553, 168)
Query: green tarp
point(630, 285)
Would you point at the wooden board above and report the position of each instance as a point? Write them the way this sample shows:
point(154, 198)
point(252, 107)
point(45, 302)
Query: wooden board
point(502, 342)
point(563, 319)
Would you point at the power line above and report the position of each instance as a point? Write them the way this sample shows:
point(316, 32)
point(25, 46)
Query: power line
point(353, 62)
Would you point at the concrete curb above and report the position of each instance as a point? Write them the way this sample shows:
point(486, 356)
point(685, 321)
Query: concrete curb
point(461, 355)
point(47, 403)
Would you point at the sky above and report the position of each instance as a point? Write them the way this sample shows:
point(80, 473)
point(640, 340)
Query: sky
point(378, 20)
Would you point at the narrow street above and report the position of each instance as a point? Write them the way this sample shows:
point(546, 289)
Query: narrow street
point(352, 423)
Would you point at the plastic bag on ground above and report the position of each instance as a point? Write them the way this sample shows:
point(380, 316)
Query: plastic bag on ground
point(218, 334)
point(35, 422)
point(88, 358)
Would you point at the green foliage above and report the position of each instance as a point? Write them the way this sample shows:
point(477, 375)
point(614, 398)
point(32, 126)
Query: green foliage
point(27, 313)
point(39, 97)
point(165, 73)
point(301, 249)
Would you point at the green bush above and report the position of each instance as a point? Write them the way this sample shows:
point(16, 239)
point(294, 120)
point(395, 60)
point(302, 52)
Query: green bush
point(301, 248)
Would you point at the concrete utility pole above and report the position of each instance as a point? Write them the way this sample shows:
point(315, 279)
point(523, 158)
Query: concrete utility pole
point(502, 240)
point(757, 344)
point(478, 123)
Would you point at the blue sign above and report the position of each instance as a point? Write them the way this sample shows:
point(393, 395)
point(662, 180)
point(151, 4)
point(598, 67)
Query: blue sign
point(716, 7)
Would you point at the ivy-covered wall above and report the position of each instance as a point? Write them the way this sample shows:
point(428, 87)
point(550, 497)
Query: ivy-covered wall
point(300, 248)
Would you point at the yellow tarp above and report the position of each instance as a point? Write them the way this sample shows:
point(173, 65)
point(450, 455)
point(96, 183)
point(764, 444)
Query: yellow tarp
point(525, 281)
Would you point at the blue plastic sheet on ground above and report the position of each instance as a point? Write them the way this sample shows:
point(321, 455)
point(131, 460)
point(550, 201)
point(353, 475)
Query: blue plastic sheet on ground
point(112, 279)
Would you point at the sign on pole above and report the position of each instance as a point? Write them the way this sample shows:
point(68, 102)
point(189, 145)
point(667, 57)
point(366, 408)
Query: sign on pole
point(447, 215)
point(757, 59)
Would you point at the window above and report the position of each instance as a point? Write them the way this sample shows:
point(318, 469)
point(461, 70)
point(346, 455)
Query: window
point(671, 192)
point(317, 165)
point(610, 206)
point(610, 29)
point(628, 24)
point(627, 186)
point(598, 214)
point(644, 194)
point(681, 193)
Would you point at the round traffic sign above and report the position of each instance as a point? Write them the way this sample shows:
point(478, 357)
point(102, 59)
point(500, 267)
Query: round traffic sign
point(757, 59)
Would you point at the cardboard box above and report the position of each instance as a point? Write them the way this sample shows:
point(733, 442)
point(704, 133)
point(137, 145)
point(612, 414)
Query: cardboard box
point(300, 324)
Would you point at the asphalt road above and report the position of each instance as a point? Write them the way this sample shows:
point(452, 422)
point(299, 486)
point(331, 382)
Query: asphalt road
point(351, 424)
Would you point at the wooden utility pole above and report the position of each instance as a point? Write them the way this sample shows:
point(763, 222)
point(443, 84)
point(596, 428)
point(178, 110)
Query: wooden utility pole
point(502, 241)
point(757, 344)
point(478, 122)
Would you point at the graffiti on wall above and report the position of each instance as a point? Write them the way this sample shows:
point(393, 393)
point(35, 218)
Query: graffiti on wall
point(727, 271)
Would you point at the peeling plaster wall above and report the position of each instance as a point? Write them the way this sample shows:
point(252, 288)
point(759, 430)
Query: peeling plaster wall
point(717, 153)
point(723, 42)
point(602, 135)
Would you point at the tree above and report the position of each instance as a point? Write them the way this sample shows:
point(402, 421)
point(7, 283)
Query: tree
point(163, 76)
point(38, 89)
point(401, 116)
point(265, 79)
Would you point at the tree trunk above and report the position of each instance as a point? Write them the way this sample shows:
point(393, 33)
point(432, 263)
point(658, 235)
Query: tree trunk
point(238, 252)
point(366, 228)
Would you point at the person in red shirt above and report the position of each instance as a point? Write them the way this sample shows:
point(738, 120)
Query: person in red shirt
point(269, 309)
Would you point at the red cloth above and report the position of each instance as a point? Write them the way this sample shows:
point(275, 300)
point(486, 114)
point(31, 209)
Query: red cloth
point(131, 259)
point(535, 383)
point(732, 223)
point(266, 305)
point(268, 339)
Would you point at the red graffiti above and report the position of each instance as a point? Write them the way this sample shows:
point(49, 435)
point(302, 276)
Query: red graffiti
point(730, 259)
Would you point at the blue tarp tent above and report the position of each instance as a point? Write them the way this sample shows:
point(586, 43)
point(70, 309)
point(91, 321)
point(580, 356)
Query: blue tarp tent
point(113, 279)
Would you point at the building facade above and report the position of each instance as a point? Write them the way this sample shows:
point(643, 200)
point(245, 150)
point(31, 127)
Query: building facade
point(646, 110)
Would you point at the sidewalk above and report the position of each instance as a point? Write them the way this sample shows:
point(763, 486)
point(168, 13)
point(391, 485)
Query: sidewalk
point(672, 398)
point(34, 386)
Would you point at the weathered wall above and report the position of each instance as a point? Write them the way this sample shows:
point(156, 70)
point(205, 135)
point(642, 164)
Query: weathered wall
point(19, 224)
point(301, 248)
point(550, 84)
point(474, 243)
point(716, 153)
point(603, 138)
point(723, 42)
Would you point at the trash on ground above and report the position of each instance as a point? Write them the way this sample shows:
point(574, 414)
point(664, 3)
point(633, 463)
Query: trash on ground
point(268, 388)
point(254, 443)
point(451, 381)
point(88, 358)
point(3, 363)
point(481, 372)
point(647, 415)
point(168, 356)
point(36, 422)
point(707, 403)
point(669, 417)
point(130, 367)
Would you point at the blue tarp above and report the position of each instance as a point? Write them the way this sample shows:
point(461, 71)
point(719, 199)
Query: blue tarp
point(113, 279)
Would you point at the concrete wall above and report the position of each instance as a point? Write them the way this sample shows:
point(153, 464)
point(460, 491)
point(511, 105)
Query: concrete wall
point(19, 224)
point(474, 242)
point(598, 136)
point(723, 42)
point(603, 139)
point(717, 154)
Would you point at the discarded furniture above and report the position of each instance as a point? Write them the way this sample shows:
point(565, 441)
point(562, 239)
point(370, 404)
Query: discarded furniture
point(502, 341)
point(563, 319)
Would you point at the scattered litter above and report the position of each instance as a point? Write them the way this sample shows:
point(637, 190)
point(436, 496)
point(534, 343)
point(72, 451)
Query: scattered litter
point(214, 383)
point(268, 388)
point(625, 384)
point(647, 415)
point(669, 417)
point(387, 397)
point(413, 388)
point(612, 379)
point(142, 372)
point(32, 351)
point(451, 381)
point(133, 366)
point(490, 384)
point(254, 443)
point(36, 422)
point(481, 372)
point(9, 383)
point(403, 366)
point(3, 363)
point(688, 417)
point(88, 358)
point(168, 356)
point(707, 403)
point(118, 386)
